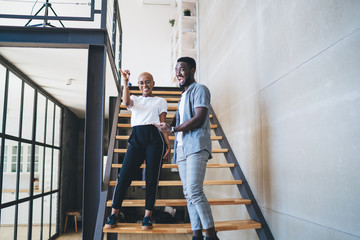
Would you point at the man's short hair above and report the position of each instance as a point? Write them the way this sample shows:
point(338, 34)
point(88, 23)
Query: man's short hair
point(190, 61)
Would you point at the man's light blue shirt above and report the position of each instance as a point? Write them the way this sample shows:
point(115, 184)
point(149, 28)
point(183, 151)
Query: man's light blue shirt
point(198, 139)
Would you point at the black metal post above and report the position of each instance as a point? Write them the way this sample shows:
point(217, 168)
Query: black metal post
point(103, 14)
point(46, 13)
point(43, 172)
point(32, 166)
point(18, 167)
point(93, 146)
point(52, 169)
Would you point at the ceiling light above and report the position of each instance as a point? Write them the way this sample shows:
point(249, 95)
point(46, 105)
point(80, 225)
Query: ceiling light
point(68, 82)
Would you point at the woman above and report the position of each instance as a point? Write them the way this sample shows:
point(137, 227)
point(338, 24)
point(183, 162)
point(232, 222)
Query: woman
point(145, 142)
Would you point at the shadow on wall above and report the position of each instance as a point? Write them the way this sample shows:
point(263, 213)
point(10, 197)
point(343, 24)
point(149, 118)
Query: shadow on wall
point(265, 157)
point(71, 164)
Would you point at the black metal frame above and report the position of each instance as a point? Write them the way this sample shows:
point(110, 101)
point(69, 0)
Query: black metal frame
point(93, 147)
point(6, 93)
point(107, 171)
point(18, 159)
point(91, 18)
point(100, 43)
point(253, 209)
point(10, 68)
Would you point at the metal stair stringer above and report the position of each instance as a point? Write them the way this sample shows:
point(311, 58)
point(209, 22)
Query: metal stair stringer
point(253, 209)
point(107, 171)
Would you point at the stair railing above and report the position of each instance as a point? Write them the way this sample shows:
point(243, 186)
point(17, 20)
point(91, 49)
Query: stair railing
point(253, 209)
point(106, 173)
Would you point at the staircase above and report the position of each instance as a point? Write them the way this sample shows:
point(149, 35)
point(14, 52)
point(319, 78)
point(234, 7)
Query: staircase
point(257, 221)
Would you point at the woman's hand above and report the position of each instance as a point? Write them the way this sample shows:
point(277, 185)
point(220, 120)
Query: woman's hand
point(125, 76)
point(166, 157)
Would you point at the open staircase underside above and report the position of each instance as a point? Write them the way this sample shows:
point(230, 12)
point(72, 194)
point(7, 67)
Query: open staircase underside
point(172, 95)
point(182, 227)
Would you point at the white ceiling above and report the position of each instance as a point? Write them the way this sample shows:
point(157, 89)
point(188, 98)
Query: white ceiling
point(52, 68)
point(146, 47)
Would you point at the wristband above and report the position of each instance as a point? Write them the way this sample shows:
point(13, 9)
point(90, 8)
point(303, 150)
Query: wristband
point(172, 129)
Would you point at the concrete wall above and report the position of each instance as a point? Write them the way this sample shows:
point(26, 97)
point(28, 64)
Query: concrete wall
point(285, 84)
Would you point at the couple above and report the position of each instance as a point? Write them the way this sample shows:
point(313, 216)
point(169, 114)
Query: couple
point(191, 126)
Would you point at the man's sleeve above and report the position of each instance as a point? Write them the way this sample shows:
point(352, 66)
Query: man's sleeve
point(202, 97)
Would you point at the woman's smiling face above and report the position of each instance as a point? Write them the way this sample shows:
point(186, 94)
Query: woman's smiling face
point(146, 84)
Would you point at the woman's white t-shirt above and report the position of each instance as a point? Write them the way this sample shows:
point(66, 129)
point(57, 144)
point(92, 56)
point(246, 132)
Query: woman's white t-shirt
point(146, 110)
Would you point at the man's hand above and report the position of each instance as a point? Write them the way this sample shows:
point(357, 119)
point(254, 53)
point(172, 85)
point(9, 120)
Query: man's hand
point(163, 127)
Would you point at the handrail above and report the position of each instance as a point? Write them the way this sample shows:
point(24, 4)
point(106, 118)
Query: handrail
point(46, 17)
point(253, 209)
point(106, 177)
point(98, 234)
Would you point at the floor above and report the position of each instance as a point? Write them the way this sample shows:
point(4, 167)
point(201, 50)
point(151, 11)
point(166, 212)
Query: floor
point(7, 233)
point(128, 236)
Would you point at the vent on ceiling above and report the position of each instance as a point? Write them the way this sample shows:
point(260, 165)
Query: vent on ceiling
point(159, 2)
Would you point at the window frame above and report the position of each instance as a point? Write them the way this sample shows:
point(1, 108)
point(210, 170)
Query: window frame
point(31, 152)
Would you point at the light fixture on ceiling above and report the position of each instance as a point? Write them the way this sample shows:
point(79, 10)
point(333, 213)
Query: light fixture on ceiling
point(159, 2)
point(69, 81)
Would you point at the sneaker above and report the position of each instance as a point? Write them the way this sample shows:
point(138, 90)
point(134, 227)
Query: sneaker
point(209, 238)
point(197, 238)
point(146, 223)
point(111, 221)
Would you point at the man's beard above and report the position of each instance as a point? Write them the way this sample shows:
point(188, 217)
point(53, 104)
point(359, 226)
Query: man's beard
point(185, 84)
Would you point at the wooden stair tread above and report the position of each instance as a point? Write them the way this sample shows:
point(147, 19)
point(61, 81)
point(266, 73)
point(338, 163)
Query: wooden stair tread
point(169, 99)
point(169, 116)
point(157, 92)
point(180, 202)
point(220, 150)
point(178, 183)
point(128, 125)
point(170, 108)
point(182, 227)
point(126, 137)
point(209, 165)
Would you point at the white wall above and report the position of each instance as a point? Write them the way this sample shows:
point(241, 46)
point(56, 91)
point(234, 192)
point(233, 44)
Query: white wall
point(285, 83)
point(146, 40)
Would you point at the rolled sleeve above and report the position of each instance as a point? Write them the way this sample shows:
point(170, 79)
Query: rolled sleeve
point(202, 97)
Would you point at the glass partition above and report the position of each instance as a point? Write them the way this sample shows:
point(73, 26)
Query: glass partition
point(9, 171)
point(28, 112)
point(25, 171)
point(40, 117)
point(13, 106)
point(57, 126)
point(30, 158)
point(23, 221)
point(7, 223)
point(49, 122)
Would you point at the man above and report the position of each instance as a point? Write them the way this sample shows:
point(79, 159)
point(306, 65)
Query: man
point(191, 126)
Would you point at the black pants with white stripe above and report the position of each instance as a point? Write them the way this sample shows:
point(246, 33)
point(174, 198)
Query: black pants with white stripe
point(145, 142)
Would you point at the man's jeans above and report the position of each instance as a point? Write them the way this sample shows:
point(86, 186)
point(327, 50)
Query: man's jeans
point(192, 172)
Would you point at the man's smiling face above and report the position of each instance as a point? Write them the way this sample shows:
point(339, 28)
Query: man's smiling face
point(183, 74)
